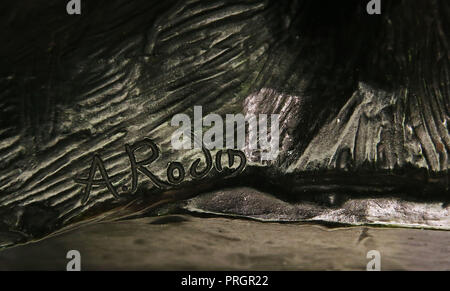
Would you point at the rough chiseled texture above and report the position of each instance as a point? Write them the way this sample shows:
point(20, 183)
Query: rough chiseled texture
point(363, 101)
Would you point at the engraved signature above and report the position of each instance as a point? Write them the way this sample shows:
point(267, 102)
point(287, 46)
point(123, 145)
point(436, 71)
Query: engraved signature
point(176, 172)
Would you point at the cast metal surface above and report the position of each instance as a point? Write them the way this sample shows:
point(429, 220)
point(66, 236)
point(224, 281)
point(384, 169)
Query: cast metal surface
point(363, 103)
